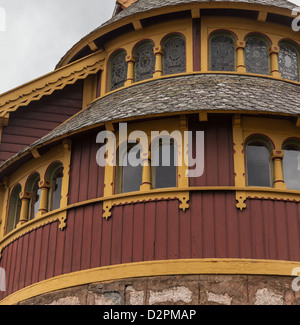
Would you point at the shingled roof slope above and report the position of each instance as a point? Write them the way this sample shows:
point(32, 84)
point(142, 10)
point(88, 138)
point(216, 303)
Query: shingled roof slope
point(146, 5)
point(188, 93)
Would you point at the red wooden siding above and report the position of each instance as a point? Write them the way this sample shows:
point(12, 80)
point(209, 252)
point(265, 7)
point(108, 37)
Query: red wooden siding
point(30, 123)
point(86, 177)
point(211, 228)
point(218, 165)
point(197, 44)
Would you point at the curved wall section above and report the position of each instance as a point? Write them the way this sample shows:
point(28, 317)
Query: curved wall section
point(155, 231)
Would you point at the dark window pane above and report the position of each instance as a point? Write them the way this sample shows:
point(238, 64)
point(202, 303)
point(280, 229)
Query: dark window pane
point(222, 53)
point(56, 189)
point(14, 209)
point(165, 171)
point(174, 56)
point(131, 175)
point(118, 71)
point(288, 62)
point(144, 62)
point(257, 58)
point(291, 169)
point(258, 166)
point(35, 199)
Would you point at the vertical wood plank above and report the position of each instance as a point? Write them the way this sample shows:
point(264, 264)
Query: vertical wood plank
point(173, 230)
point(138, 232)
point(149, 237)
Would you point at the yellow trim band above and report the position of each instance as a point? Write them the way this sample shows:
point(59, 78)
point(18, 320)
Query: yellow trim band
point(154, 268)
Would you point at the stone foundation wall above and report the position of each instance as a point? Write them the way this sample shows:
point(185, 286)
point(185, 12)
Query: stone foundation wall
point(179, 290)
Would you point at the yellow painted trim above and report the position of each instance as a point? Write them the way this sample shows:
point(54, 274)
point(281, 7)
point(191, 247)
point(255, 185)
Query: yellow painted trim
point(154, 268)
point(146, 196)
point(182, 194)
point(60, 153)
point(277, 131)
point(47, 84)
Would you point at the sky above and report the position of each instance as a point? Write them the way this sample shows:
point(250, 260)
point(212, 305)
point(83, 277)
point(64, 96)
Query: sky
point(38, 33)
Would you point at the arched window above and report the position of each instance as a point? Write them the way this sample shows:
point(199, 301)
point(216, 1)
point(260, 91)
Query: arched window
point(129, 169)
point(144, 62)
point(55, 176)
point(258, 163)
point(291, 165)
point(32, 186)
point(222, 52)
point(118, 70)
point(256, 55)
point(288, 60)
point(14, 208)
point(164, 163)
point(174, 59)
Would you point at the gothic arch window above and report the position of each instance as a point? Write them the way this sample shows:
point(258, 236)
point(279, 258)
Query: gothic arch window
point(129, 173)
point(288, 60)
point(144, 61)
point(14, 208)
point(291, 164)
point(32, 186)
point(55, 176)
point(164, 163)
point(222, 52)
point(118, 70)
point(258, 162)
point(174, 57)
point(256, 55)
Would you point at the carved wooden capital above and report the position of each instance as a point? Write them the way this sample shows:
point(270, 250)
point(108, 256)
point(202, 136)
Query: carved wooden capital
point(277, 154)
point(25, 196)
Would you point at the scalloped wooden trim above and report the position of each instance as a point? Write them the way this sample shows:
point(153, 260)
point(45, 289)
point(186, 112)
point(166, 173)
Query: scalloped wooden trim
point(28, 227)
point(265, 194)
point(47, 84)
point(182, 197)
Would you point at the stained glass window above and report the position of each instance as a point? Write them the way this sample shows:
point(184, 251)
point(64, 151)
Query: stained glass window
point(288, 62)
point(222, 53)
point(174, 55)
point(257, 58)
point(118, 70)
point(144, 62)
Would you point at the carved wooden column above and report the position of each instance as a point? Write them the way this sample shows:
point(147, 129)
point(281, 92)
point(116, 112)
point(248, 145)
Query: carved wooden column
point(277, 157)
point(273, 51)
point(130, 59)
point(146, 181)
point(25, 199)
point(158, 61)
point(240, 56)
point(44, 186)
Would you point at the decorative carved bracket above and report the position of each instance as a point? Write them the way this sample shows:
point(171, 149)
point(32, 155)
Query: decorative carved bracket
point(241, 200)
